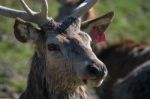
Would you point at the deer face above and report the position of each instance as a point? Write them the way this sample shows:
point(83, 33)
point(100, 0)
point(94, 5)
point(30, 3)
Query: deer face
point(70, 56)
point(67, 50)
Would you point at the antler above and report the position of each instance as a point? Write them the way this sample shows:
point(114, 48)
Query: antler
point(39, 18)
point(44, 10)
point(83, 8)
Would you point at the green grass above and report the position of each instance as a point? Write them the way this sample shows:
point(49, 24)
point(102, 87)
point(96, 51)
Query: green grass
point(18, 85)
point(130, 21)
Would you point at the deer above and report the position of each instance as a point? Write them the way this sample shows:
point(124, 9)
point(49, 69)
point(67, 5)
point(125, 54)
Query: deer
point(121, 58)
point(63, 63)
point(67, 7)
point(135, 85)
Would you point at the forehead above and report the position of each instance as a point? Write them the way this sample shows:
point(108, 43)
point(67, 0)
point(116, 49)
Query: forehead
point(65, 37)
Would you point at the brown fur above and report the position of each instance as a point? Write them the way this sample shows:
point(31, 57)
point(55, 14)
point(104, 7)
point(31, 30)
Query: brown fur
point(121, 58)
point(38, 87)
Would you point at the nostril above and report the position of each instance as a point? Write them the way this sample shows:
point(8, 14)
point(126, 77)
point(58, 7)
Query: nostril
point(98, 71)
point(93, 70)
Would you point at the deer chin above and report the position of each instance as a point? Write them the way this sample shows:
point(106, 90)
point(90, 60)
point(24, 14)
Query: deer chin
point(92, 82)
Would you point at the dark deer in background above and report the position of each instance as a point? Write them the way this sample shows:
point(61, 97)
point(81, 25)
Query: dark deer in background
point(136, 85)
point(63, 62)
point(67, 6)
point(121, 58)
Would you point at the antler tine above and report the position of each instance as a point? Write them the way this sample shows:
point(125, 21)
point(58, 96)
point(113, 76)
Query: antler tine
point(26, 7)
point(39, 18)
point(13, 13)
point(83, 8)
point(44, 10)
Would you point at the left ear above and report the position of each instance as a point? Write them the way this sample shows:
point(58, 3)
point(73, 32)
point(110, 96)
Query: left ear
point(97, 27)
point(25, 31)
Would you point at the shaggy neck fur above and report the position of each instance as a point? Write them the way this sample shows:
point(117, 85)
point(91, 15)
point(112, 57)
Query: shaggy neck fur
point(38, 87)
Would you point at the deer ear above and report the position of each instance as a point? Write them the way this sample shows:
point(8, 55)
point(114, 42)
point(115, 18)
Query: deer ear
point(97, 27)
point(25, 31)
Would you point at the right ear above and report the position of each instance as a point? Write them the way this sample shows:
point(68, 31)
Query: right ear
point(25, 31)
point(96, 27)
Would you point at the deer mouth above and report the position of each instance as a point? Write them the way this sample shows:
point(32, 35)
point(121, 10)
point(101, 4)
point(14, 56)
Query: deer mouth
point(93, 82)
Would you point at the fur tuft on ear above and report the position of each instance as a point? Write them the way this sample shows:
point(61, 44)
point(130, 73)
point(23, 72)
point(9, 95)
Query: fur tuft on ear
point(96, 27)
point(25, 31)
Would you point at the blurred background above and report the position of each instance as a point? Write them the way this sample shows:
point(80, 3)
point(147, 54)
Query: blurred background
point(131, 21)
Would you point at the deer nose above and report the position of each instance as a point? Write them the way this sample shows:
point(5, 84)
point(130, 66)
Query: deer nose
point(97, 71)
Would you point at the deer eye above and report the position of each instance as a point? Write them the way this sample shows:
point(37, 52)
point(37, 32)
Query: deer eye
point(53, 47)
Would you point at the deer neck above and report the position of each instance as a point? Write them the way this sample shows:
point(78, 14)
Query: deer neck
point(39, 88)
point(78, 93)
point(67, 88)
point(59, 91)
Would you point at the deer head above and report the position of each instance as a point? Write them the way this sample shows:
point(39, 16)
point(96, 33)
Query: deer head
point(64, 46)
